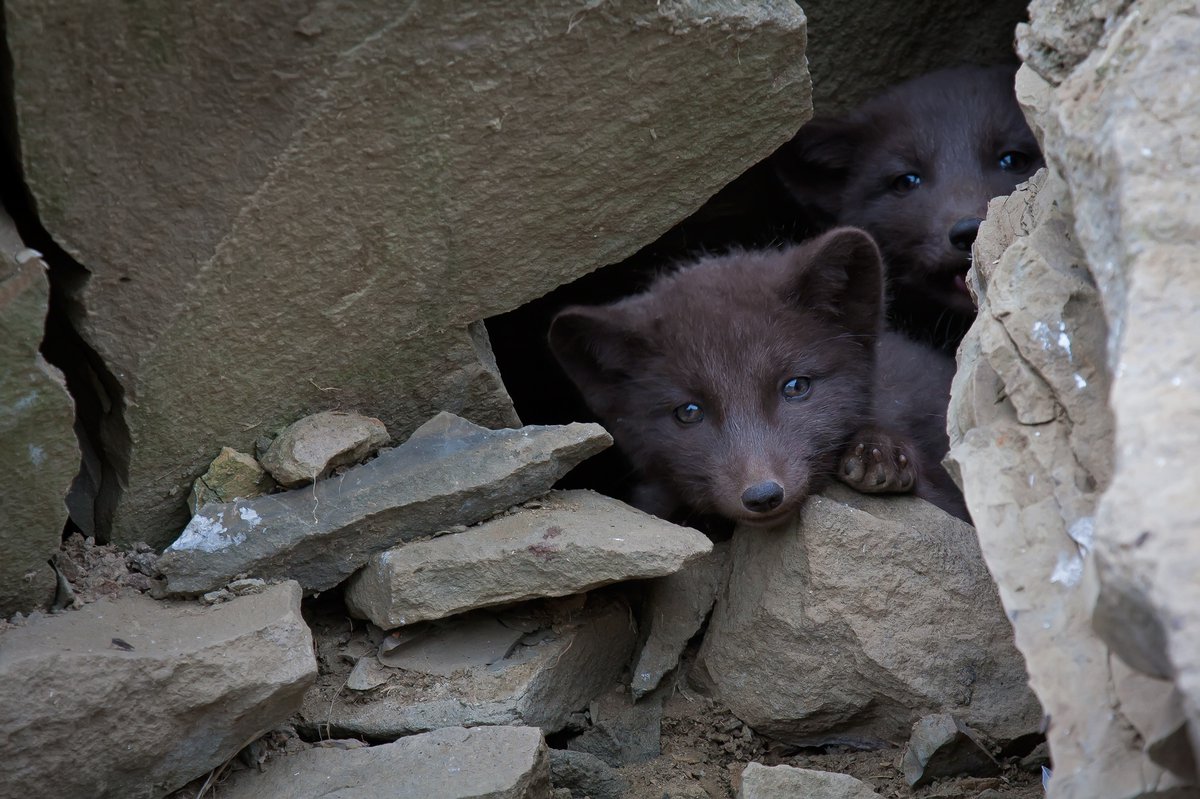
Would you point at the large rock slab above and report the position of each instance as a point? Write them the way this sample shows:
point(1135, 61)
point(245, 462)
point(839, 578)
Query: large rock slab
point(574, 542)
point(448, 472)
point(788, 782)
point(133, 698)
point(528, 665)
point(859, 618)
point(451, 763)
point(40, 455)
point(320, 201)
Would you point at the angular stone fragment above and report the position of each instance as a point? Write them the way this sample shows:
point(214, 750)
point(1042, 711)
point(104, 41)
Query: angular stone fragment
point(942, 746)
point(574, 542)
point(562, 658)
point(38, 452)
point(623, 732)
point(314, 446)
point(585, 775)
point(134, 698)
point(865, 614)
point(449, 472)
point(674, 609)
point(788, 782)
point(232, 475)
point(340, 237)
point(449, 763)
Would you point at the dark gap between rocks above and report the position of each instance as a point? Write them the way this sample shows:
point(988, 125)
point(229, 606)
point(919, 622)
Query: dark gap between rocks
point(99, 423)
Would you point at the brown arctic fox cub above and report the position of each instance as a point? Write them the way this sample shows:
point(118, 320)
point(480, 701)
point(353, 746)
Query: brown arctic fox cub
point(915, 168)
point(740, 385)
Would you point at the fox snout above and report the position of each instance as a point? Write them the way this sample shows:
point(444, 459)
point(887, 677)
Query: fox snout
point(763, 497)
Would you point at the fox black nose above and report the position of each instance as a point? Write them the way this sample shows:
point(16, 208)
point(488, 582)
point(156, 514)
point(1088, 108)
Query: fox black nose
point(763, 497)
point(962, 234)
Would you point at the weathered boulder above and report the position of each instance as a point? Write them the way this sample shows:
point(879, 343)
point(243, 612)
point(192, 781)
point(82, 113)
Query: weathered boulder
point(585, 775)
point(942, 746)
point(40, 454)
point(857, 619)
point(448, 472)
point(232, 475)
point(1074, 437)
point(574, 542)
point(312, 447)
point(134, 698)
point(450, 763)
point(322, 201)
point(524, 666)
point(672, 612)
point(788, 782)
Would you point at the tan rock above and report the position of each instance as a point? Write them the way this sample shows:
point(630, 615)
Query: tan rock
point(312, 447)
point(232, 475)
point(788, 782)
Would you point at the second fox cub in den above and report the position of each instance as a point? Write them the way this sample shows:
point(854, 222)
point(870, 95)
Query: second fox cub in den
point(740, 385)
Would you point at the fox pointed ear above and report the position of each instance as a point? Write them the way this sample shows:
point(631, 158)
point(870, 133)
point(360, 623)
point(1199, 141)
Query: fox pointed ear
point(840, 275)
point(596, 347)
point(815, 165)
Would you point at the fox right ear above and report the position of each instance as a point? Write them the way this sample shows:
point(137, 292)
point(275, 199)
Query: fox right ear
point(596, 348)
point(815, 165)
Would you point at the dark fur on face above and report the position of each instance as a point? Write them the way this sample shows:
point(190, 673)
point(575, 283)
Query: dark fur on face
point(915, 167)
point(734, 374)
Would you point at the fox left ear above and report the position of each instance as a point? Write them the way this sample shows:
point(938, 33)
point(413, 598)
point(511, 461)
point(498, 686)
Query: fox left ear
point(840, 274)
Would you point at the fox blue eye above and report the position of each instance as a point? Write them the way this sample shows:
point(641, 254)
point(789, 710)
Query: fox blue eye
point(906, 182)
point(689, 413)
point(1014, 161)
point(797, 388)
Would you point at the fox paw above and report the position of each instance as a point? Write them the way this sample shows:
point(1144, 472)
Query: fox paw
point(878, 464)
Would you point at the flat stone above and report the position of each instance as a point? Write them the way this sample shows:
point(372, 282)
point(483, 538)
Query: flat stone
point(942, 746)
point(340, 241)
point(451, 763)
point(232, 475)
point(40, 453)
point(788, 782)
point(148, 694)
point(674, 609)
point(312, 447)
point(574, 542)
point(623, 732)
point(862, 616)
point(450, 471)
point(585, 775)
point(570, 654)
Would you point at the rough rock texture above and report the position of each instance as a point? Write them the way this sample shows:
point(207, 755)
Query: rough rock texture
point(464, 671)
point(574, 542)
point(672, 612)
point(451, 763)
point(788, 782)
point(1087, 516)
point(942, 746)
point(623, 731)
point(906, 40)
point(312, 447)
point(39, 455)
point(133, 698)
point(349, 188)
point(585, 775)
point(448, 472)
point(232, 475)
point(859, 618)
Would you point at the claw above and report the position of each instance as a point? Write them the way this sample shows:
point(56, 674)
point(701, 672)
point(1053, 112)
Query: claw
point(859, 450)
point(903, 460)
point(877, 455)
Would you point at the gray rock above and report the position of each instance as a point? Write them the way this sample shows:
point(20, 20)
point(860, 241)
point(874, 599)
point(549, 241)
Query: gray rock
point(340, 240)
point(864, 615)
point(40, 454)
point(569, 654)
point(942, 746)
point(623, 732)
point(788, 782)
point(574, 542)
point(133, 698)
point(674, 608)
point(312, 447)
point(232, 475)
point(585, 775)
point(452, 763)
point(448, 471)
